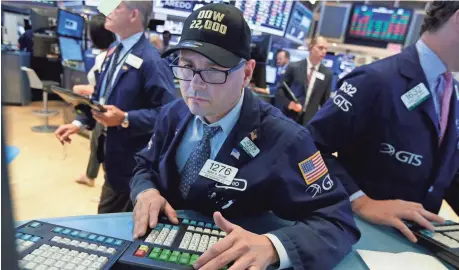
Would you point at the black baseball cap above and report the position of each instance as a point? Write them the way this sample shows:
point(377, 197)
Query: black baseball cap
point(218, 32)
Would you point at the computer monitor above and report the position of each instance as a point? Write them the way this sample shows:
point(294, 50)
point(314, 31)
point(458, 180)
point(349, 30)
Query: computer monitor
point(269, 17)
point(43, 45)
point(271, 74)
point(259, 75)
point(42, 19)
point(300, 23)
point(71, 49)
point(260, 47)
point(181, 8)
point(379, 24)
point(70, 24)
point(333, 21)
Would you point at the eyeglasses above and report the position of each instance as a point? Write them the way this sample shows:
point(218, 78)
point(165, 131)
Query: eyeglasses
point(211, 76)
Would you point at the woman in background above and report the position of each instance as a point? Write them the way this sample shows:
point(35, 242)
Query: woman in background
point(101, 39)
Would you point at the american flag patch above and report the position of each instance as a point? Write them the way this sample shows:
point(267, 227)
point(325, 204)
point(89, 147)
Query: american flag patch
point(313, 168)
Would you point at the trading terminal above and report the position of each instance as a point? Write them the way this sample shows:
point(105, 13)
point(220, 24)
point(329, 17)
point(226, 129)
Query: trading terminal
point(49, 222)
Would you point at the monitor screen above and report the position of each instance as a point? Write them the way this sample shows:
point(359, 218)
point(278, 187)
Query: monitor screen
point(379, 23)
point(70, 24)
point(92, 3)
point(71, 49)
point(260, 48)
point(300, 22)
point(333, 21)
point(181, 8)
point(271, 73)
point(266, 16)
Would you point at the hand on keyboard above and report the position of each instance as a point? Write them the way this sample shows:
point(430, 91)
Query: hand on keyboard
point(392, 212)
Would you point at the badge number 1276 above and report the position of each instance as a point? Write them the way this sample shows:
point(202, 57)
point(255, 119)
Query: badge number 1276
point(218, 172)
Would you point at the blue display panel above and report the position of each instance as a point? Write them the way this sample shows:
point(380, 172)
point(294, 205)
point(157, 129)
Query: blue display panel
point(300, 23)
point(70, 24)
point(71, 49)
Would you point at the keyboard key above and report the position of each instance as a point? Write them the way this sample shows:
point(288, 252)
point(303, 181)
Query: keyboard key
point(92, 257)
point(209, 225)
point(193, 259)
point(54, 249)
point(66, 231)
point(65, 241)
point(102, 249)
point(47, 254)
point(60, 264)
point(58, 229)
point(73, 253)
point(111, 250)
point(35, 239)
point(193, 222)
point(168, 226)
point(83, 255)
point(83, 245)
point(154, 255)
point(175, 228)
point(49, 262)
point(57, 256)
point(215, 227)
point(64, 251)
point(198, 229)
point(37, 252)
point(30, 265)
point(222, 233)
point(86, 263)
point(75, 243)
point(109, 240)
point(118, 242)
point(207, 231)
point(103, 260)
point(39, 259)
point(45, 247)
point(215, 232)
point(139, 253)
point(184, 259)
point(67, 258)
point(96, 265)
point(165, 255)
point(26, 237)
point(201, 224)
point(185, 221)
point(92, 236)
point(70, 266)
point(18, 235)
point(77, 261)
point(191, 228)
point(29, 257)
point(93, 246)
point(80, 267)
point(144, 248)
point(35, 224)
point(173, 259)
point(100, 239)
point(83, 234)
point(28, 244)
point(186, 240)
point(41, 267)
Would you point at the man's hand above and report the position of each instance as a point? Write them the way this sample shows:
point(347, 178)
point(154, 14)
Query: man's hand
point(83, 89)
point(245, 249)
point(111, 118)
point(293, 106)
point(147, 208)
point(392, 212)
point(63, 132)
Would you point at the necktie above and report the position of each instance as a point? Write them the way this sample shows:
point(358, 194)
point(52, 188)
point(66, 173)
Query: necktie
point(109, 76)
point(311, 71)
point(445, 98)
point(196, 160)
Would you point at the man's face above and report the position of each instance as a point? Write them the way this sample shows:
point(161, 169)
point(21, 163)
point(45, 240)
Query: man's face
point(319, 50)
point(281, 59)
point(211, 100)
point(166, 37)
point(119, 18)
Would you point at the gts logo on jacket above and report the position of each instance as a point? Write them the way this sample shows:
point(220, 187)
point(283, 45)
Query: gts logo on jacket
point(402, 156)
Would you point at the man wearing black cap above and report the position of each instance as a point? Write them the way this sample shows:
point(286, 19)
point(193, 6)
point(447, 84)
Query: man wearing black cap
point(223, 152)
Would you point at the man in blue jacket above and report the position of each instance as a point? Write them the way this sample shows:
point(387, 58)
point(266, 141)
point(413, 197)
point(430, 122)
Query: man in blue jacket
point(223, 152)
point(134, 83)
point(395, 126)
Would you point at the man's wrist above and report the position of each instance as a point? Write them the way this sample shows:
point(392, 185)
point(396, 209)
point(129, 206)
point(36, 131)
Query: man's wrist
point(77, 123)
point(142, 192)
point(359, 203)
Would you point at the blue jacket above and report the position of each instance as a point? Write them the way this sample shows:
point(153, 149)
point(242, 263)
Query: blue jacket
point(140, 92)
point(272, 181)
point(384, 149)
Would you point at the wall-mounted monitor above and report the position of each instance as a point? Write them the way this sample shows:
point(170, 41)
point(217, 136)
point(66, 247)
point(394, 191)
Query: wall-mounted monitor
point(378, 23)
point(269, 17)
point(333, 21)
point(71, 49)
point(300, 23)
point(70, 24)
point(181, 8)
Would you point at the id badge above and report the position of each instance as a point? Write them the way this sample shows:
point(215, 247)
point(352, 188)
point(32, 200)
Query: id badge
point(218, 172)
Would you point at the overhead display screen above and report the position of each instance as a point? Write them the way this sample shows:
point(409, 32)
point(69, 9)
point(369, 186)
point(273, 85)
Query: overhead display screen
point(300, 23)
point(266, 16)
point(181, 8)
point(379, 23)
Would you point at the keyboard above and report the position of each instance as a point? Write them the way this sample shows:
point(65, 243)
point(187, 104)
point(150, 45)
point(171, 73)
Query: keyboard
point(44, 246)
point(169, 246)
point(444, 242)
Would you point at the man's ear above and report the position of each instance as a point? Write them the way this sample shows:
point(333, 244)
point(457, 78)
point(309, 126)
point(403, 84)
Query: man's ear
point(248, 71)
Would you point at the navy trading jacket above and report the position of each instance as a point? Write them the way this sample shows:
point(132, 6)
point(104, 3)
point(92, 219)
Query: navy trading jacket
point(140, 90)
point(385, 149)
point(279, 179)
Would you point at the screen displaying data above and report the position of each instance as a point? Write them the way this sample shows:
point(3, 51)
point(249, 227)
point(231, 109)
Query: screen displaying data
point(181, 8)
point(266, 16)
point(300, 23)
point(379, 23)
point(71, 49)
point(70, 24)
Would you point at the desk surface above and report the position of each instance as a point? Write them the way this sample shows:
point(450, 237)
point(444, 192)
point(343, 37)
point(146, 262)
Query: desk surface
point(375, 238)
